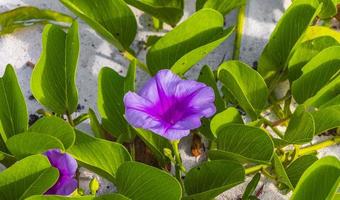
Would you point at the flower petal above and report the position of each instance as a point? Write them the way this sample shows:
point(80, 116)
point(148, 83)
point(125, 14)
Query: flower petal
point(66, 165)
point(175, 134)
point(64, 186)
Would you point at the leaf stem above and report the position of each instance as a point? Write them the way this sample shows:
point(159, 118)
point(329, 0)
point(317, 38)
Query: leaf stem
point(271, 125)
point(253, 169)
point(178, 165)
point(239, 32)
point(320, 145)
point(132, 150)
point(69, 119)
point(131, 57)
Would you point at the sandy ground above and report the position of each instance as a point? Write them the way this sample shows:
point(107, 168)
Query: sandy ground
point(25, 46)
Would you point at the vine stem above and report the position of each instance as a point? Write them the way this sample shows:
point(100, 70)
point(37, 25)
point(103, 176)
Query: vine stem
point(178, 165)
point(69, 119)
point(131, 57)
point(271, 125)
point(239, 32)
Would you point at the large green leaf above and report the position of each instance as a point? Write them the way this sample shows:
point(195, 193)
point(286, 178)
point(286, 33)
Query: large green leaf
point(24, 16)
point(298, 166)
point(101, 156)
point(301, 127)
point(113, 196)
point(13, 110)
point(111, 90)
point(25, 144)
point(328, 8)
point(223, 6)
point(286, 34)
point(142, 182)
point(230, 115)
point(245, 143)
point(53, 77)
point(156, 144)
point(30, 176)
point(246, 85)
point(319, 80)
point(319, 181)
point(56, 127)
point(169, 11)
point(305, 52)
point(210, 179)
point(326, 119)
point(188, 43)
point(112, 19)
point(280, 171)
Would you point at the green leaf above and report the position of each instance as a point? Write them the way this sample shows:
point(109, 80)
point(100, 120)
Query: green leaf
point(223, 6)
point(305, 51)
point(207, 180)
point(101, 156)
point(251, 186)
point(13, 110)
point(298, 166)
point(188, 43)
point(156, 144)
point(25, 144)
point(113, 196)
point(281, 174)
point(301, 127)
point(245, 143)
point(246, 85)
point(328, 8)
point(170, 11)
point(319, 181)
point(30, 176)
point(26, 16)
point(56, 127)
point(53, 77)
point(96, 127)
point(319, 79)
point(230, 115)
point(111, 90)
point(326, 119)
point(286, 34)
point(112, 19)
point(314, 32)
point(142, 182)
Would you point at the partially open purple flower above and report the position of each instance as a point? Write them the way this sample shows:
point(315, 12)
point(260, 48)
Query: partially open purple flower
point(67, 167)
point(169, 106)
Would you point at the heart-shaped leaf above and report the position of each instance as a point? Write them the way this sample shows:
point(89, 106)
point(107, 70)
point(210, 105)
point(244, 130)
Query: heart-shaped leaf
point(301, 127)
point(142, 182)
point(286, 34)
point(170, 11)
point(111, 90)
point(230, 115)
point(281, 174)
point(30, 176)
point(25, 144)
point(246, 85)
point(112, 19)
point(113, 196)
point(210, 179)
point(188, 43)
point(13, 110)
point(100, 156)
point(56, 127)
point(298, 166)
point(305, 51)
point(245, 143)
point(319, 181)
point(28, 15)
point(319, 80)
point(53, 77)
point(326, 119)
point(223, 6)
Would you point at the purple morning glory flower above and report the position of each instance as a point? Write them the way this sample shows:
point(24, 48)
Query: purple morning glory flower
point(169, 105)
point(67, 167)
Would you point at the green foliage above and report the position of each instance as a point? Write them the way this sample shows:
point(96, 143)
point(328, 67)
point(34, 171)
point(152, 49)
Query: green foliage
point(53, 77)
point(281, 173)
point(112, 19)
point(24, 16)
point(246, 85)
point(295, 169)
point(114, 196)
point(326, 119)
point(30, 176)
point(188, 43)
point(328, 8)
point(251, 186)
point(223, 6)
point(13, 111)
point(142, 182)
point(169, 11)
point(207, 180)
point(101, 156)
point(230, 115)
point(111, 90)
